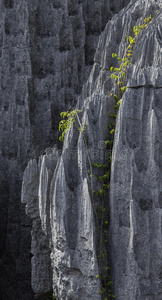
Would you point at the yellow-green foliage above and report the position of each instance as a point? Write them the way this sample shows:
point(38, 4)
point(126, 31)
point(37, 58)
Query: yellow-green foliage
point(53, 297)
point(67, 122)
point(120, 72)
point(68, 119)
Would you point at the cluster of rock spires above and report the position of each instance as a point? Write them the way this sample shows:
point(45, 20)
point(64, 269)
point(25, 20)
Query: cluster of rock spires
point(49, 62)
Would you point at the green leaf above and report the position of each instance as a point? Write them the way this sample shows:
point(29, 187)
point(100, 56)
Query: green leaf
point(113, 115)
point(97, 165)
point(114, 55)
point(124, 88)
point(112, 131)
point(115, 97)
point(116, 107)
point(119, 102)
point(61, 139)
point(109, 143)
point(111, 125)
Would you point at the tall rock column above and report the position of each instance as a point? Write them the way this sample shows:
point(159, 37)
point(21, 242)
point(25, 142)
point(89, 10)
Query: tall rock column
point(136, 180)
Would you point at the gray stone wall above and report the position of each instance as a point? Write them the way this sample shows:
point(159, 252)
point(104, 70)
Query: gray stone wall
point(46, 55)
point(56, 54)
point(135, 189)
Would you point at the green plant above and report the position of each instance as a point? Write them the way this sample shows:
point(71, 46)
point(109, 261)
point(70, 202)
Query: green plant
point(67, 122)
point(118, 76)
point(53, 297)
point(119, 73)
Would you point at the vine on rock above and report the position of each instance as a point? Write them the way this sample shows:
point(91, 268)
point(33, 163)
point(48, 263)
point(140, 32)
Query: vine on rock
point(118, 76)
point(69, 118)
point(101, 212)
point(67, 122)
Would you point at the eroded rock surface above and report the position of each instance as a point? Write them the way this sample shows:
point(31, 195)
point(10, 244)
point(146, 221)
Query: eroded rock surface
point(46, 54)
point(136, 175)
point(63, 228)
point(46, 63)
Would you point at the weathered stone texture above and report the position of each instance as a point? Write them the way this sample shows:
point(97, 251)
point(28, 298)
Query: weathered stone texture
point(63, 232)
point(136, 172)
point(46, 54)
point(132, 229)
point(46, 65)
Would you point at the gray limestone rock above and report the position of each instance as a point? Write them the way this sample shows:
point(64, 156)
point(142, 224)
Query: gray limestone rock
point(136, 174)
point(135, 195)
point(55, 54)
point(70, 200)
point(63, 233)
point(46, 55)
